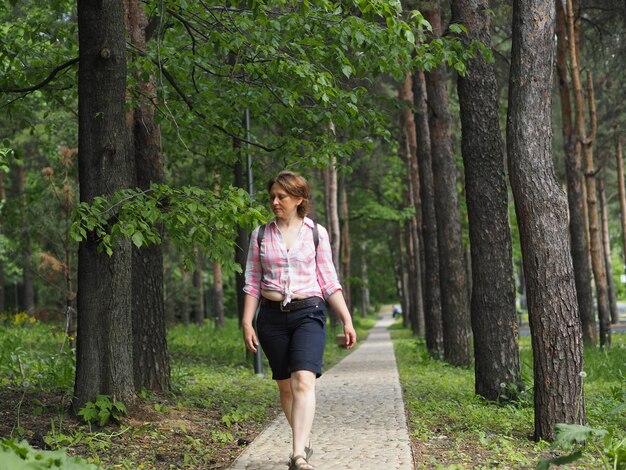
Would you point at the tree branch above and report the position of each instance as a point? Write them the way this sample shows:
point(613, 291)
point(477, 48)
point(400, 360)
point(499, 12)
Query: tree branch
point(190, 104)
point(42, 84)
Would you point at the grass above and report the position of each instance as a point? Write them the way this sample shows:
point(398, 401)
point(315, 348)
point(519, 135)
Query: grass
point(217, 406)
point(452, 428)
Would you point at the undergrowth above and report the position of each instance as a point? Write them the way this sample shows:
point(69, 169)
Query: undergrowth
point(217, 400)
point(452, 428)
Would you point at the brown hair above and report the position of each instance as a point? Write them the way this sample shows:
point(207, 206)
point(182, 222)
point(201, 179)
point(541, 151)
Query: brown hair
point(296, 186)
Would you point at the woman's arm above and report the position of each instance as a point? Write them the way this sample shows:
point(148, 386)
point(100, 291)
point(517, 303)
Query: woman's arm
point(338, 304)
point(250, 305)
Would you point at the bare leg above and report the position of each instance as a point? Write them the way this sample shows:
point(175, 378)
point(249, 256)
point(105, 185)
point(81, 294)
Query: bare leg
point(286, 398)
point(302, 408)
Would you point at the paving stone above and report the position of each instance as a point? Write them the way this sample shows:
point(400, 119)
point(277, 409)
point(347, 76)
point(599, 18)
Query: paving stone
point(360, 421)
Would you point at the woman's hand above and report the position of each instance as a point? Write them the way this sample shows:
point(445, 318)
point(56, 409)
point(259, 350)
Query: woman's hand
point(249, 337)
point(350, 334)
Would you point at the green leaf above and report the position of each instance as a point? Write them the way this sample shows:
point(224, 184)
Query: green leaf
point(562, 460)
point(137, 239)
point(569, 434)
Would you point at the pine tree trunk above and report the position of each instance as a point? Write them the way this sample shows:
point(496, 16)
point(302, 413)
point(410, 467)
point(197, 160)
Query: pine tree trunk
point(150, 358)
point(345, 241)
point(104, 356)
point(410, 137)
point(28, 288)
point(185, 309)
point(333, 214)
point(219, 294)
point(454, 304)
point(494, 320)
point(586, 142)
point(2, 278)
point(432, 289)
point(577, 227)
point(622, 195)
point(541, 208)
point(404, 276)
point(365, 289)
point(198, 308)
point(606, 251)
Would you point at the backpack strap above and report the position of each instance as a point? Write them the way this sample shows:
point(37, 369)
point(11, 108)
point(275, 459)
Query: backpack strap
point(260, 235)
point(316, 236)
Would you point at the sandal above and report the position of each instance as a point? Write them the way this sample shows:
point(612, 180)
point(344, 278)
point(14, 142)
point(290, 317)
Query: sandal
point(298, 462)
point(308, 451)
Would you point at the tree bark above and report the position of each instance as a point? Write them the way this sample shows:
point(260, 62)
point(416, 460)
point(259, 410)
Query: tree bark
point(622, 195)
point(2, 278)
point(577, 226)
point(28, 287)
point(606, 251)
point(345, 240)
point(410, 137)
point(198, 310)
point(454, 304)
point(104, 356)
point(586, 142)
point(218, 283)
point(432, 289)
point(333, 214)
point(541, 208)
point(493, 315)
point(365, 289)
point(150, 358)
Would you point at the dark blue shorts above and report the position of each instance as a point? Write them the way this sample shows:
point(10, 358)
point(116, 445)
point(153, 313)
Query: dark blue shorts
point(293, 341)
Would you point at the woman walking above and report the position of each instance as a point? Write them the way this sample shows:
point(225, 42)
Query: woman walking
point(289, 273)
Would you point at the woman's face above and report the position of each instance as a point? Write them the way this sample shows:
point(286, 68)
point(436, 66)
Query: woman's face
point(283, 204)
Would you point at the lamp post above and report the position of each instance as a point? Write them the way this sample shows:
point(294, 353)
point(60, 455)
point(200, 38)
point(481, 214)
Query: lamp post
point(258, 355)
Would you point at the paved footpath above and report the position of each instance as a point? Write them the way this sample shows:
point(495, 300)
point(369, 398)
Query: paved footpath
point(359, 423)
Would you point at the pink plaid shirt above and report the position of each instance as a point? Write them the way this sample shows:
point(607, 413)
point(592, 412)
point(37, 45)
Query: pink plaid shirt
point(290, 272)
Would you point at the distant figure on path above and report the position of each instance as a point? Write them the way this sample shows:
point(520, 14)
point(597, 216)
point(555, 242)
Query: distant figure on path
point(290, 272)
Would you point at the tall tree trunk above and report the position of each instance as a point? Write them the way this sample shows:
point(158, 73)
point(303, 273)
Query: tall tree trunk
point(150, 358)
point(218, 282)
point(333, 212)
point(404, 276)
point(541, 209)
point(28, 288)
point(104, 356)
point(198, 309)
point(345, 241)
point(494, 320)
point(586, 142)
point(365, 289)
point(2, 278)
point(622, 195)
point(432, 289)
point(332, 217)
point(454, 304)
point(410, 137)
point(577, 226)
point(185, 308)
point(606, 251)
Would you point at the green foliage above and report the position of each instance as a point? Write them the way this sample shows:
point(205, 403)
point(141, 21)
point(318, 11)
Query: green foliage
point(608, 447)
point(5, 153)
point(445, 414)
point(103, 410)
point(32, 355)
point(21, 456)
point(190, 216)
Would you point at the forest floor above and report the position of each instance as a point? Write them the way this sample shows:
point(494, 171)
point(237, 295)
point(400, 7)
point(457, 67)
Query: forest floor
point(219, 406)
point(167, 439)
